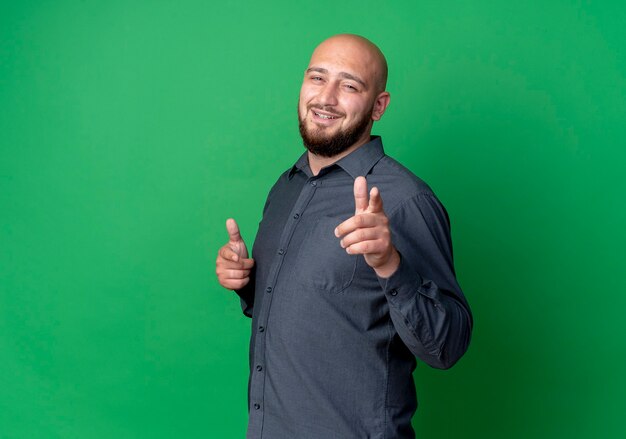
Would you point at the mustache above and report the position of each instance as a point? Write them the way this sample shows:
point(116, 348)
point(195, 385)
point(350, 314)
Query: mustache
point(325, 109)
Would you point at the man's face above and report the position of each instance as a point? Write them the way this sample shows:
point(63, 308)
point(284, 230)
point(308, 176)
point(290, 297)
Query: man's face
point(337, 98)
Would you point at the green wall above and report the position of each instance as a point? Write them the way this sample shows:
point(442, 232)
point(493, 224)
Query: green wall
point(129, 131)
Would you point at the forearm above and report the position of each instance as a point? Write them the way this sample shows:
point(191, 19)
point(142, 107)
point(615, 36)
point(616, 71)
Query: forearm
point(433, 323)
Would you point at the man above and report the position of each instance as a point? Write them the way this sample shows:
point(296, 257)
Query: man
point(343, 292)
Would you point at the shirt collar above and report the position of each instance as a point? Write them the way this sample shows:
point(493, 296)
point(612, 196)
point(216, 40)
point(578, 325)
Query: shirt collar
point(358, 162)
point(301, 165)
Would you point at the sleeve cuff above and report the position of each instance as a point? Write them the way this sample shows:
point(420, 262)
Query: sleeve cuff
point(405, 283)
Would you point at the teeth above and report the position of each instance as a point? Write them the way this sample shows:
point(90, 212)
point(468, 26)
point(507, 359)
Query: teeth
point(323, 116)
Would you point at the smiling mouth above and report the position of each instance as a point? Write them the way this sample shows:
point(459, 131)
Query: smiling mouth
point(325, 116)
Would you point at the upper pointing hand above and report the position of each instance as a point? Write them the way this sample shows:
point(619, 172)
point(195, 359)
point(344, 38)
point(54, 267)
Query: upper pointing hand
point(367, 232)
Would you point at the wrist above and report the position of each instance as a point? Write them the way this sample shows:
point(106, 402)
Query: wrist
point(388, 268)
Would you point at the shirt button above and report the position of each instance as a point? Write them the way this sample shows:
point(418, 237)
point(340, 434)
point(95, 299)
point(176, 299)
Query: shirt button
point(281, 252)
point(268, 290)
point(296, 216)
point(314, 183)
point(393, 292)
point(259, 368)
point(257, 406)
point(261, 329)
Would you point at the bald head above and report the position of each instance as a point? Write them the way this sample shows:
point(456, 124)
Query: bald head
point(342, 95)
point(358, 51)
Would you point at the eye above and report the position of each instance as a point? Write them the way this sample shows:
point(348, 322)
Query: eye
point(350, 87)
point(316, 78)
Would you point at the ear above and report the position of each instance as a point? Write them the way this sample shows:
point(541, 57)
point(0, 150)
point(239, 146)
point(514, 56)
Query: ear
point(380, 105)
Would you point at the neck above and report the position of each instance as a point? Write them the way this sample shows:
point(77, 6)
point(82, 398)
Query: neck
point(317, 162)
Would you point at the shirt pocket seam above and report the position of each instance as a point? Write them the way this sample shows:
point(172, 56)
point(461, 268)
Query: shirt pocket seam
point(317, 232)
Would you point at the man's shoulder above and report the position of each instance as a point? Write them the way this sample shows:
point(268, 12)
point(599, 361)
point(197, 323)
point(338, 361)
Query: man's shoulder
point(394, 177)
point(402, 190)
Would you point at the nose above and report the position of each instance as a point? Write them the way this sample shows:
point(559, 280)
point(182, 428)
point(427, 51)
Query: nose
point(328, 95)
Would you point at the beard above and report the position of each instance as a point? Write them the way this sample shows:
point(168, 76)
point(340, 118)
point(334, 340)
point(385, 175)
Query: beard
point(318, 142)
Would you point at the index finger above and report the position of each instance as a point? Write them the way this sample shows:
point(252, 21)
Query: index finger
point(228, 253)
point(376, 201)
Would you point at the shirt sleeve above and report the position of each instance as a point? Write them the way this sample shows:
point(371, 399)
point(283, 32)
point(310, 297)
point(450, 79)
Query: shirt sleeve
point(246, 295)
point(427, 307)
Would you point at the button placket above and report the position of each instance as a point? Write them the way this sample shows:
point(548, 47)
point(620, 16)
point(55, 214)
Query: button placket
point(257, 384)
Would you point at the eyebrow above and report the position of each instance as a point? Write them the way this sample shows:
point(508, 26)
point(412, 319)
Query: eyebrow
point(341, 74)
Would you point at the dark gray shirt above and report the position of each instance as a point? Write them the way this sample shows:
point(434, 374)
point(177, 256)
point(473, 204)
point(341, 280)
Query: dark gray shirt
point(333, 346)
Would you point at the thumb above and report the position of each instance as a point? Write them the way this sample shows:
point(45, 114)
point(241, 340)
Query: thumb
point(233, 230)
point(360, 194)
